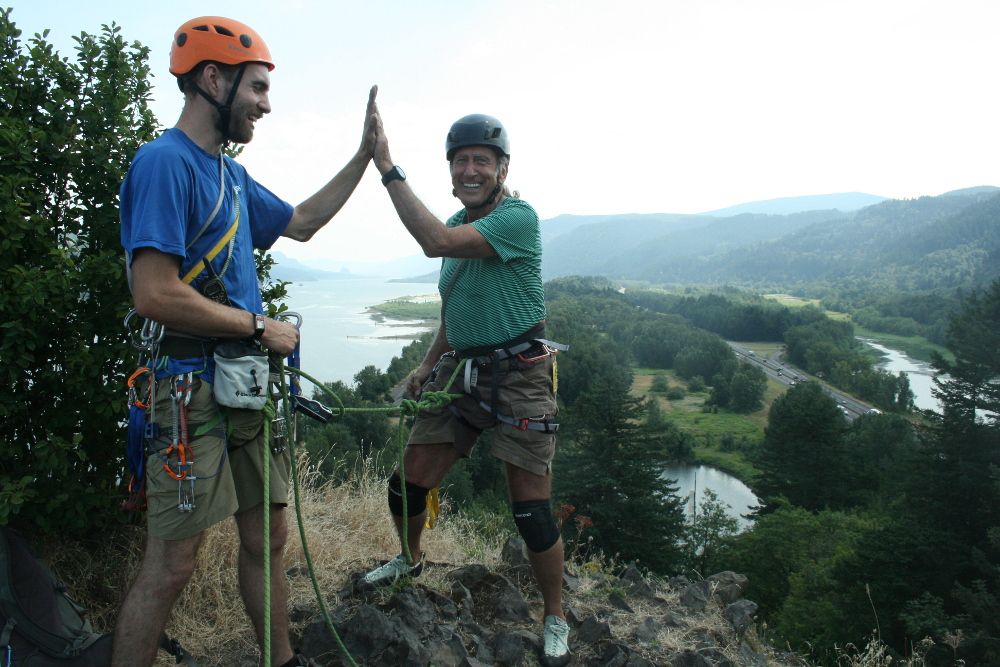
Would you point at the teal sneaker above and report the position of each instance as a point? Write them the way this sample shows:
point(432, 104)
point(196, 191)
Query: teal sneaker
point(391, 572)
point(556, 651)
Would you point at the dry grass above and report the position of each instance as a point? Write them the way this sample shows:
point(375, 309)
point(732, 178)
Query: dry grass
point(347, 528)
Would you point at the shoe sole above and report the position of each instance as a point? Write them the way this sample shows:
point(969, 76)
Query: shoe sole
point(555, 662)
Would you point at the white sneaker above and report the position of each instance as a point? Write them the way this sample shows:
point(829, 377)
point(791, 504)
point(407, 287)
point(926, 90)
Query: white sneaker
point(556, 651)
point(393, 570)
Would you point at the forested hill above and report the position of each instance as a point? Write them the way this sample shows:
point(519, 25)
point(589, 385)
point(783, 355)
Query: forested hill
point(948, 241)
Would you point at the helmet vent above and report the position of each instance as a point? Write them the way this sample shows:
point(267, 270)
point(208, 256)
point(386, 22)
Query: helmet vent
point(222, 30)
point(496, 133)
point(182, 39)
point(203, 28)
point(246, 41)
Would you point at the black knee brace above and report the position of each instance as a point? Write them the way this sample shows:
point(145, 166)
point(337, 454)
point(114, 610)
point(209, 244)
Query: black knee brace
point(416, 497)
point(536, 524)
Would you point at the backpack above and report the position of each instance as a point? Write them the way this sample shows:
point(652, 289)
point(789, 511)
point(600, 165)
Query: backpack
point(40, 625)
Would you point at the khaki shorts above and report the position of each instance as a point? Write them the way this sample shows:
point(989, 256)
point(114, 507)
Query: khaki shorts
point(524, 392)
point(227, 471)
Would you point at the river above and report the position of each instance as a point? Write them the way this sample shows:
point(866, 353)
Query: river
point(339, 337)
point(919, 373)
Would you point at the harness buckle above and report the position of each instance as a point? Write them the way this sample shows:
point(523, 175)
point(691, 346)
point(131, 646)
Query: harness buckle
point(546, 352)
point(522, 424)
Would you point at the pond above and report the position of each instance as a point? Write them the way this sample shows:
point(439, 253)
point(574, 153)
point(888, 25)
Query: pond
point(692, 480)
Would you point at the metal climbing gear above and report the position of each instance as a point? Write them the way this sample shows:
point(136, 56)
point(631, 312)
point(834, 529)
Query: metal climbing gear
point(279, 426)
point(181, 470)
point(279, 435)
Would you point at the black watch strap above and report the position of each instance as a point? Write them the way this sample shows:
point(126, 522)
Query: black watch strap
point(394, 174)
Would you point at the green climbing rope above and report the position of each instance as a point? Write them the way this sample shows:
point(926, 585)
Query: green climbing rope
point(268, 416)
point(428, 401)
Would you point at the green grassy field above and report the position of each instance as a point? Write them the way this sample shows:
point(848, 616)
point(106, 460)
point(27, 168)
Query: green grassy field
point(709, 428)
point(408, 308)
point(797, 302)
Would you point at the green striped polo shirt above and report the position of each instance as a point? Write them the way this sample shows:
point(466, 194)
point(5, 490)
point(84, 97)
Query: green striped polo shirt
point(495, 299)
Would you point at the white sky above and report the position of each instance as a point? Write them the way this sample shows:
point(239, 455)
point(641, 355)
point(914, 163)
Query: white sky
point(612, 107)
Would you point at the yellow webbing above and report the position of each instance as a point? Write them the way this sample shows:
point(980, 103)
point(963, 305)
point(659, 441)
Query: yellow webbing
point(216, 249)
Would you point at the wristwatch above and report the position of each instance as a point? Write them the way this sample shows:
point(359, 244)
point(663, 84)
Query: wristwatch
point(259, 323)
point(394, 174)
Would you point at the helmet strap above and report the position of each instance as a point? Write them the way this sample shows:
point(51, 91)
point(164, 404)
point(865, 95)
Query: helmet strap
point(226, 109)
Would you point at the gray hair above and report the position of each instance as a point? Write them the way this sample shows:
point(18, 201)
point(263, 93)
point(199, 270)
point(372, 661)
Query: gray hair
point(503, 162)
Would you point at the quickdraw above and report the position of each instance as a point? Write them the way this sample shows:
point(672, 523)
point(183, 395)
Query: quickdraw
point(182, 469)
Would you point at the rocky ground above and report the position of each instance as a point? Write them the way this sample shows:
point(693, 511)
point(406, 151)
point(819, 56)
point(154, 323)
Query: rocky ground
point(470, 616)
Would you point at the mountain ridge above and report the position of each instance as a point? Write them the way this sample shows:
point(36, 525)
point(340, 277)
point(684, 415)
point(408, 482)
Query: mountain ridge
point(756, 243)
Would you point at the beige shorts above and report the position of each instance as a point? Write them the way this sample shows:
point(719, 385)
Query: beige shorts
point(226, 473)
point(524, 392)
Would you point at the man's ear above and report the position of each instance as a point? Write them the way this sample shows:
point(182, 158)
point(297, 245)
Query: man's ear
point(212, 79)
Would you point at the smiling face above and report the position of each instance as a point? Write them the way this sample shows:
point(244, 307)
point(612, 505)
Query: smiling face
point(250, 104)
point(475, 173)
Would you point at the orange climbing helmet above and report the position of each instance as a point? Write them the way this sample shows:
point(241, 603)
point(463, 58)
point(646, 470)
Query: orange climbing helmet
point(216, 38)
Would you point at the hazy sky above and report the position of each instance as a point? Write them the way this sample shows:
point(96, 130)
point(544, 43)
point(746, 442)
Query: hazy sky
point(612, 107)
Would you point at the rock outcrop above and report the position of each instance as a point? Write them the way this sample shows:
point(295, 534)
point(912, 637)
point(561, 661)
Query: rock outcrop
point(470, 616)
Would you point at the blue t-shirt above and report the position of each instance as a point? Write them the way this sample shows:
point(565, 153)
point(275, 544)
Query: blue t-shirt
point(169, 192)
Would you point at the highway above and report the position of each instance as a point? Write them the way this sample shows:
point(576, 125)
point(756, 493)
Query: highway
point(781, 372)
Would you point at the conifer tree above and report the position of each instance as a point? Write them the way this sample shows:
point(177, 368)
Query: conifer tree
point(610, 469)
point(802, 456)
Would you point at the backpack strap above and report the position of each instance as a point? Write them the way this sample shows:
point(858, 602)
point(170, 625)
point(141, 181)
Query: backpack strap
point(174, 648)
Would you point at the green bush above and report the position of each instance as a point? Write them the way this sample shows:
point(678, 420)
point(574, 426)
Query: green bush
point(68, 130)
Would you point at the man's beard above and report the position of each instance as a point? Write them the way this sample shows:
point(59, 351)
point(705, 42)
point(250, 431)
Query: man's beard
point(240, 130)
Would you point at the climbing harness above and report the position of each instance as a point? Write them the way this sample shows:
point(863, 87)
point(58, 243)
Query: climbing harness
point(517, 354)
